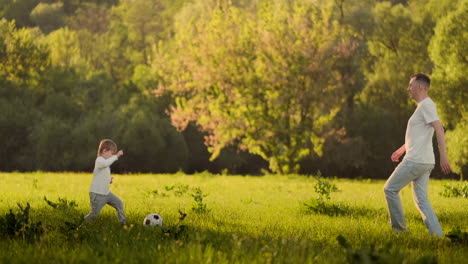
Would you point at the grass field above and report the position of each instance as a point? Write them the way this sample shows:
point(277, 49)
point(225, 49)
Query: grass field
point(247, 220)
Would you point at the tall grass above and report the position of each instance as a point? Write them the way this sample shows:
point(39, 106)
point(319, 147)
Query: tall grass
point(245, 220)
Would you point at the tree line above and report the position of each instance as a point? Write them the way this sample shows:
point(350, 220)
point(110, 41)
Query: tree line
point(284, 86)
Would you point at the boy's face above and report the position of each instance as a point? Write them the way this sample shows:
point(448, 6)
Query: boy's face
point(107, 153)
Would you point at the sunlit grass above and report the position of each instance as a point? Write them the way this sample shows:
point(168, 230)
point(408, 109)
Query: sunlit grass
point(250, 220)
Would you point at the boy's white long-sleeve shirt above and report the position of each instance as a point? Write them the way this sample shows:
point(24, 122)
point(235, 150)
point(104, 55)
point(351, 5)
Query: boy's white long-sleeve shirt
point(101, 178)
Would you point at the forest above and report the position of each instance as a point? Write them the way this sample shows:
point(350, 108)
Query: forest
point(228, 87)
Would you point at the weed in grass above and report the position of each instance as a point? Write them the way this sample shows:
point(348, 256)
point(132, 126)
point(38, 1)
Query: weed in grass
point(459, 190)
point(177, 231)
point(320, 205)
point(179, 189)
point(458, 236)
point(155, 192)
point(324, 188)
point(61, 204)
point(18, 225)
point(35, 181)
point(198, 206)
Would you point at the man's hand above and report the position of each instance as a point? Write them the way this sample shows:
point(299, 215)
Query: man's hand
point(444, 165)
point(440, 134)
point(397, 154)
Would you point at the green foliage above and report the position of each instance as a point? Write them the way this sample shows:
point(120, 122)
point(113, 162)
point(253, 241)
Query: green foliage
point(300, 86)
point(48, 17)
point(19, 225)
point(323, 188)
point(177, 231)
point(457, 147)
point(62, 203)
point(65, 49)
point(18, 11)
point(321, 204)
point(198, 206)
point(251, 80)
point(178, 189)
point(458, 236)
point(455, 190)
point(448, 50)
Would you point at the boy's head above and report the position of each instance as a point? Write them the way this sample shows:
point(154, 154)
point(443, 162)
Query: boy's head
point(107, 145)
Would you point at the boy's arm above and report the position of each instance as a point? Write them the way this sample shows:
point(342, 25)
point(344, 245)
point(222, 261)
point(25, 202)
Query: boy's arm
point(439, 129)
point(103, 163)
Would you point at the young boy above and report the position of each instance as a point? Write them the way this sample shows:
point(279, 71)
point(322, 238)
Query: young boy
point(99, 193)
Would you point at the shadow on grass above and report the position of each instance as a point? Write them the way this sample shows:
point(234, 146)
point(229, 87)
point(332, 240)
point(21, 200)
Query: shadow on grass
point(315, 206)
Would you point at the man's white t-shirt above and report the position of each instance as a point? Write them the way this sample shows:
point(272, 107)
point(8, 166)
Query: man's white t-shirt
point(101, 179)
point(419, 133)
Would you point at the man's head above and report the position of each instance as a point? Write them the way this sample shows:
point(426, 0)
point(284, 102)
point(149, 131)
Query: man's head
point(418, 87)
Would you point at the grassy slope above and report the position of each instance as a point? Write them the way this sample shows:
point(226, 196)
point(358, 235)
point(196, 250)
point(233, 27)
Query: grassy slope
point(251, 219)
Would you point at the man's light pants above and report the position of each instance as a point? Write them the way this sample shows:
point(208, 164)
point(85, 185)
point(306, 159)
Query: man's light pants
point(99, 200)
point(418, 174)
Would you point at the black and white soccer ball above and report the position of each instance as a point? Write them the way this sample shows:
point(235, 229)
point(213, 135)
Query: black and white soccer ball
point(153, 220)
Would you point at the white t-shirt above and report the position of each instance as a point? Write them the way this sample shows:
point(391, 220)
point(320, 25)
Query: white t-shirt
point(101, 179)
point(419, 133)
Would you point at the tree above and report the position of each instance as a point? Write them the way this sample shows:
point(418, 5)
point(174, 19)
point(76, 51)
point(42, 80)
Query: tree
point(65, 49)
point(398, 49)
point(18, 11)
point(266, 83)
point(48, 17)
point(145, 24)
point(22, 62)
point(449, 51)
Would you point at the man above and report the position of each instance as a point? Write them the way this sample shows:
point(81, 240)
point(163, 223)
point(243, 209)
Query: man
point(419, 160)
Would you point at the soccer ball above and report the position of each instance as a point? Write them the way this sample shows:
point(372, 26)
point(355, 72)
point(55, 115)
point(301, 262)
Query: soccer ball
point(153, 220)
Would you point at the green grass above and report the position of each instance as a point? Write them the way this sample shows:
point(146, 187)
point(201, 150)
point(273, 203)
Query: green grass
point(248, 220)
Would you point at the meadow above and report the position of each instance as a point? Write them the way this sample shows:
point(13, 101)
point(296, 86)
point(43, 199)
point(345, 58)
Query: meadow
point(229, 219)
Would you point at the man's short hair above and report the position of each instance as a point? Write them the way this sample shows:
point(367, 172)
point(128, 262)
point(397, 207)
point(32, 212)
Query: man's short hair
point(423, 79)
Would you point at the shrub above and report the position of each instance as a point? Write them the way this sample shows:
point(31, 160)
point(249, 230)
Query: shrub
point(18, 225)
point(455, 190)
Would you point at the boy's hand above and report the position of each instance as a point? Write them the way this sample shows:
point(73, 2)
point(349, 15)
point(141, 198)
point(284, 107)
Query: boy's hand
point(120, 153)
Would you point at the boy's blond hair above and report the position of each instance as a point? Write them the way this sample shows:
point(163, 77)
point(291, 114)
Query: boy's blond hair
point(106, 144)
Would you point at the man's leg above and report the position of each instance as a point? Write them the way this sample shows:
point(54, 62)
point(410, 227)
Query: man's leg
point(115, 202)
point(420, 187)
point(400, 177)
point(97, 203)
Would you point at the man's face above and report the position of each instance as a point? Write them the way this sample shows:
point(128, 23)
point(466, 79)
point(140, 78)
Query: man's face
point(413, 88)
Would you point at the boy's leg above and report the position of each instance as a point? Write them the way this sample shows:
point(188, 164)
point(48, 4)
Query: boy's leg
point(115, 202)
point(420, 187)
point(399, 179)
point(97, 202)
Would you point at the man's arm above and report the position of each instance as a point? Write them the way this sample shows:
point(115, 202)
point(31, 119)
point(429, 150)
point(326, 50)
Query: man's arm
point(439, 129)
point(397, 154)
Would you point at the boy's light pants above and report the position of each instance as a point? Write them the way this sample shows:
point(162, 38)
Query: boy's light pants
point(417, 173)
point(99, 200)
